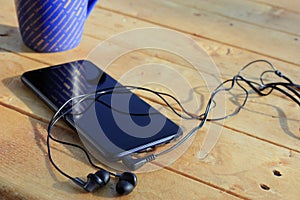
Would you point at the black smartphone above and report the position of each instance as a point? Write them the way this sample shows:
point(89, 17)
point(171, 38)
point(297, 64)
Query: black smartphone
point(112, 125)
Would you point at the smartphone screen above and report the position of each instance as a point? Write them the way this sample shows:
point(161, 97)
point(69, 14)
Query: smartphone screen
point(114, 124)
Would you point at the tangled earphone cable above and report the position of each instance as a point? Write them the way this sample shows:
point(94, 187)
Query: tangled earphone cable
point(288, 88)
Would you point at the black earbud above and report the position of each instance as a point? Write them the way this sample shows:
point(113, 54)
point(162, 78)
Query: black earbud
point(94, 181)
point(127, 182)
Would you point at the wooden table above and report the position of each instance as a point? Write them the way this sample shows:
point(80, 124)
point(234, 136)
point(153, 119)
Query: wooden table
point(258, 153)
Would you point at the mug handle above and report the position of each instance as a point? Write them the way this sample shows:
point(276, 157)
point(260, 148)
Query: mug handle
point(90, 6)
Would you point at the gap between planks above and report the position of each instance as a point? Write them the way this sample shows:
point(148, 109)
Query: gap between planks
point(276, 5)
point(204, 182)
point(31, 115)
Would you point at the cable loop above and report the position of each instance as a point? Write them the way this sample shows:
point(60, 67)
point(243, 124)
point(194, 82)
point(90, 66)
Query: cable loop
point(288, 88)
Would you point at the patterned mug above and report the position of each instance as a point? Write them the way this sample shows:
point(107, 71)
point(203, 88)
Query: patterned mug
point(52, 25)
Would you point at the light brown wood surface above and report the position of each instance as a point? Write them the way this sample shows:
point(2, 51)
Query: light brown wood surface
point(262, 141)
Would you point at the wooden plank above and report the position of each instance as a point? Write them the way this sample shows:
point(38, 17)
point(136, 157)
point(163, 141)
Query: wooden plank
point(288, 5)
point(26, 173)
point(250, 12)
point(213, 27)
point(270, 119)
point(14, 93)
point(246, 166)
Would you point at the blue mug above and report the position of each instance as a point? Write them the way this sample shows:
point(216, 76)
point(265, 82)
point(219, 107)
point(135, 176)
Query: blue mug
point(52, 25)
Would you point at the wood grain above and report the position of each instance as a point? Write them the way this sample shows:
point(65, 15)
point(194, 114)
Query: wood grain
point(288, 5)
point(204, 24)
point(258, 14)
point(242, 165)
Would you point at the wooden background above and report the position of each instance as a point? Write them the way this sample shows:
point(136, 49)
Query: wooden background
point(257, 155)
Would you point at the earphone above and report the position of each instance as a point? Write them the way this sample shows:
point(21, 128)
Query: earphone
point(127, 180)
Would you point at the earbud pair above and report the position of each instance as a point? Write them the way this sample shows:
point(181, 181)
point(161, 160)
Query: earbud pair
point(127, 181)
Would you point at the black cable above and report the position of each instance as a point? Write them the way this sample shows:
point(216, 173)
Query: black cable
point(286, 85)
point(57, 116)
point(235, 81)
